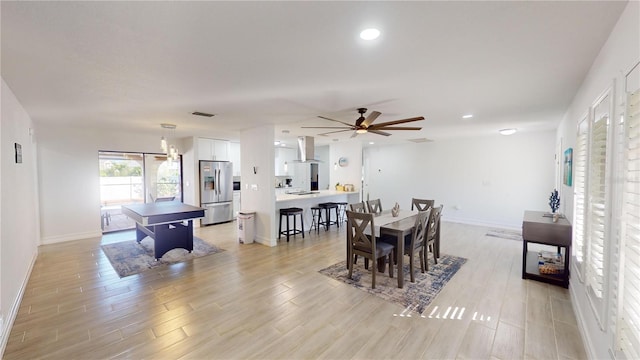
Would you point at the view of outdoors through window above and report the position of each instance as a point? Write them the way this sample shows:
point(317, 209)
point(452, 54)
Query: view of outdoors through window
point(128, 178)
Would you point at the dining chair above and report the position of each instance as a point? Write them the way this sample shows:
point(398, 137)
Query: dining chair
point(421, 204)
point(374, 206)
point(358, 207)
point(415, 242)
point(432, 230)
point(367, 246)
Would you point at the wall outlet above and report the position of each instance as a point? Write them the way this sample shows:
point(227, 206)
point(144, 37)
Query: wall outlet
point(254, 187)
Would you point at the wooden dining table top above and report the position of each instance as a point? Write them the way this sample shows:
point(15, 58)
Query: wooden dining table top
point(405, 220)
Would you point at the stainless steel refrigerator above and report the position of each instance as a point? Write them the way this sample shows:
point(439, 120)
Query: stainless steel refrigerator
point(216, 191)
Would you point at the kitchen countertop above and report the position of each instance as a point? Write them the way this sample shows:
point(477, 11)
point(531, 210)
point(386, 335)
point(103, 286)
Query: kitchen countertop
point(316, 194)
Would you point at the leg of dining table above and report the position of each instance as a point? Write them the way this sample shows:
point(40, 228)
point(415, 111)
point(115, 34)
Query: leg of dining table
point(400, 256)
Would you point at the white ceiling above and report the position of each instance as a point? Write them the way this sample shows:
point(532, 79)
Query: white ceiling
point(134, 65)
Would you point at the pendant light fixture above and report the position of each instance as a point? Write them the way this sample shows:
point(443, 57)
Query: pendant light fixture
point(165, 141)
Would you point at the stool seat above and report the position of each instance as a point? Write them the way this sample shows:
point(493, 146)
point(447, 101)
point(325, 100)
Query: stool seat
point(287, 212)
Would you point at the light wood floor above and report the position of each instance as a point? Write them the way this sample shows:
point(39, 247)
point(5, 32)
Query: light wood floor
point(252, 301)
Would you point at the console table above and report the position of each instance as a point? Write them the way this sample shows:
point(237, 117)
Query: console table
point(536, 228)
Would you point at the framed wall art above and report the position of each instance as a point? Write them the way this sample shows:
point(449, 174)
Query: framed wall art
point(568, 167)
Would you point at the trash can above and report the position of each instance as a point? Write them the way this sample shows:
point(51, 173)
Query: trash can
point(246, 227)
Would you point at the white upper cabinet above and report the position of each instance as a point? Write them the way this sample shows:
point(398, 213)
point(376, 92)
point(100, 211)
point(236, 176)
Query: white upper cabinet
point(212, 149)
point(234, 156)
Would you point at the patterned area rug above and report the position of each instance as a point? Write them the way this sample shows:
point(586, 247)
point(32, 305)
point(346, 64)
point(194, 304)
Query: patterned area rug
point(505, 234)
point(414, 296)
point(129, 257)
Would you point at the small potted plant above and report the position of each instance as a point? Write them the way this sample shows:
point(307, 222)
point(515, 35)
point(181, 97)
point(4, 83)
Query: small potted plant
point(338, 187)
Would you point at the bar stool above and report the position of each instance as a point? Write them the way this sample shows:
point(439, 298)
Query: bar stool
point(316, 219)
point(286, 212)
point(328, 206)
point(342, 211)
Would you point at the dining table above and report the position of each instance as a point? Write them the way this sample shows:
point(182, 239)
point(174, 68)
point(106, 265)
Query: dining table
point(398, 227)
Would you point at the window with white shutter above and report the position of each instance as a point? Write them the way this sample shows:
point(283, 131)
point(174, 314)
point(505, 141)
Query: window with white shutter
point(630, 311)
point(580, 177)
point(579, 183)
point(597, 212)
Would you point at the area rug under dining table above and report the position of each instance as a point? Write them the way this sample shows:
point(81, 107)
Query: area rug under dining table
point(413, 296)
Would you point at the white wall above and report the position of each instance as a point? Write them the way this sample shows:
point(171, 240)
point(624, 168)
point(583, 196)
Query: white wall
point(19, 193)
point(487, 181)
point(69, 177)
point(617, 56)
point(258, 187)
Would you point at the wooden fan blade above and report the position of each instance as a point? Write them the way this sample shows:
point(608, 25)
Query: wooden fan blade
point(399, 121)
point(327, 127)
point(332, 132)
point(378, 132)
point(341, 122)
point(394, 128)
point(371, 118)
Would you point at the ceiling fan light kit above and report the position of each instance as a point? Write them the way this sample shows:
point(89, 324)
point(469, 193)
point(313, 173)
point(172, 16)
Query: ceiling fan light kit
point(365, 125)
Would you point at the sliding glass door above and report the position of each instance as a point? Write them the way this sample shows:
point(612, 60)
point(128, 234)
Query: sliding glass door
point(130, 178)
point(163, 178)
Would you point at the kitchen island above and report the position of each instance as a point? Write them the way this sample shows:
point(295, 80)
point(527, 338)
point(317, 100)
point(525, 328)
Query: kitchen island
point(305, 200)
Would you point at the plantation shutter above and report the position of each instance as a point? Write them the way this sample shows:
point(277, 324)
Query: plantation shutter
point(597, 216)
point(579, 181)
point(630, 313)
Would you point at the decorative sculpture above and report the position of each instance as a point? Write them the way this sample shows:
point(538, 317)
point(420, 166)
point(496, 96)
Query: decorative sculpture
point(396, 210)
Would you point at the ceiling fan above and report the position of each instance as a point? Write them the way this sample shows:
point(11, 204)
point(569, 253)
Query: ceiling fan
point(364, 125)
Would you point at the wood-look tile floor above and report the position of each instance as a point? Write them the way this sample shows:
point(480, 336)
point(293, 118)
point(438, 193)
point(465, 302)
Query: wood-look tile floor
point(252, 301)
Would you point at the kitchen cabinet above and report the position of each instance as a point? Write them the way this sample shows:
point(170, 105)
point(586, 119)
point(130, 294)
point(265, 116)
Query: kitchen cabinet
point(213, 149)
point(285, 156)
point(234, 156)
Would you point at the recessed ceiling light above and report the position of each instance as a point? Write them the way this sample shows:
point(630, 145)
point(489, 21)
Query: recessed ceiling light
point(369, 34)
point(276, 143)
point(507, 131)
point(371, 143)
point(468, 116)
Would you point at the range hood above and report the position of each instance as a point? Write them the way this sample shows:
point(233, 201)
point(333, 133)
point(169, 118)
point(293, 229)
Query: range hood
point(306, 151)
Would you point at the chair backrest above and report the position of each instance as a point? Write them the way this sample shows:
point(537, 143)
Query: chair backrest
point(358, 240)
point(422, 204)
point(420, 229)
point(161, 199)
point(374, 206)
point(358, 207)
point(434, 221)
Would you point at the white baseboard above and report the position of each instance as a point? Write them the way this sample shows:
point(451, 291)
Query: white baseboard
point(70, 237)
point(6, 326)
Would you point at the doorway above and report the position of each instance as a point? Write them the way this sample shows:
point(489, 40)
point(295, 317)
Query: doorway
point(314, 177)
